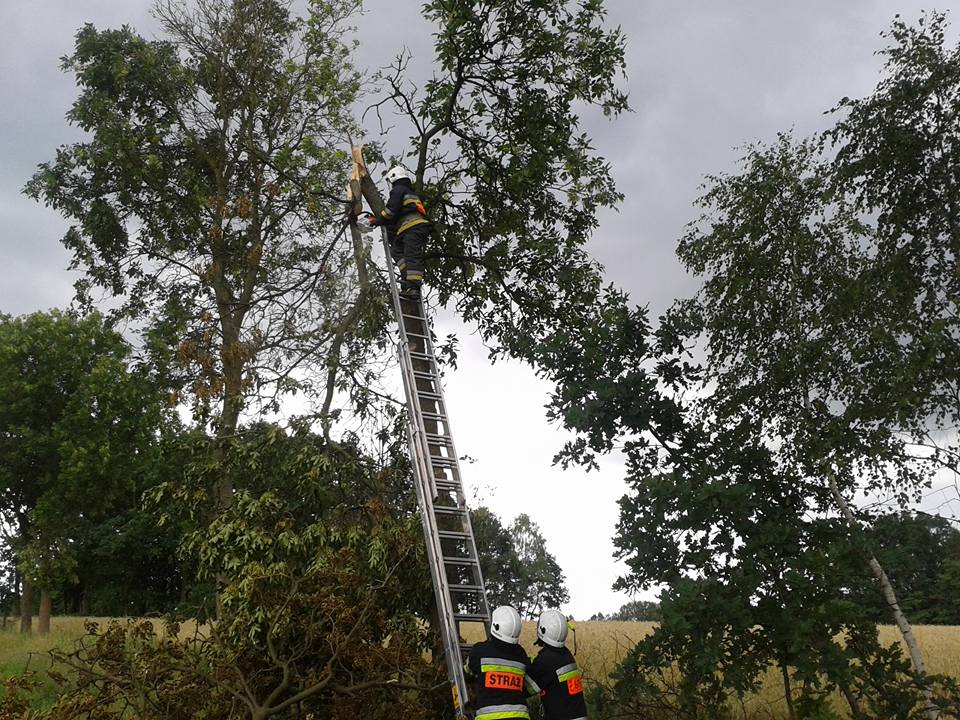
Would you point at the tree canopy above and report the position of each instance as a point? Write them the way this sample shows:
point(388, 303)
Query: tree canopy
point(81, 431)
point(809, 370)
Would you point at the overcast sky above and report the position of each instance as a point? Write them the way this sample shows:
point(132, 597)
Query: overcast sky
point(705, 77)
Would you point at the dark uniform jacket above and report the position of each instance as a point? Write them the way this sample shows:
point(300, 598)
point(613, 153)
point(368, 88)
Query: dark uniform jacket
point(555, 675)
point(404, 209)
point(499, 669)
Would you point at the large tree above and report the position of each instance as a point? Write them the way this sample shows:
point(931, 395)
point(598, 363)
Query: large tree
point(826, 329)
point(515, 187)
point(80, 430)
point(897, 160)
point(494, 141)
point(205, 197)
point(517, 567)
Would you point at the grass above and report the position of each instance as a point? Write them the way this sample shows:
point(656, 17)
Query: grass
point(24, 653)
point(599, 647)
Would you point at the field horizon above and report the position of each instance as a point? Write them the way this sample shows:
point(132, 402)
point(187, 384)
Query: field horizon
point(599, 645)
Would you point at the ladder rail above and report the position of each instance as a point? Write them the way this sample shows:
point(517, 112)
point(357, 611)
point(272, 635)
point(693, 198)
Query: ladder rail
point(426, 483)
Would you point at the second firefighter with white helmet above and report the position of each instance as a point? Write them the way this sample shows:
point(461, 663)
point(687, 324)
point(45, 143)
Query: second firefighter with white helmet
point(554, 673)
point(408, 229)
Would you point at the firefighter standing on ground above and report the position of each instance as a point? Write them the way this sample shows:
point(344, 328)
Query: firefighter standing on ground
point(407, 229)
point(554, 673)
point(498, 667)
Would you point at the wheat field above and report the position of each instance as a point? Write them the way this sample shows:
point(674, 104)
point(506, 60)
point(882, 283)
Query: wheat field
point(599, 646)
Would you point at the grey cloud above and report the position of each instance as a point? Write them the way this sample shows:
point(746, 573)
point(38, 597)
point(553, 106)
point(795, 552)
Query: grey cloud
point(35, 98)
point(705, 78)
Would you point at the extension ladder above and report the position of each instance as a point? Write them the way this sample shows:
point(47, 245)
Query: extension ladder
point(451, 548)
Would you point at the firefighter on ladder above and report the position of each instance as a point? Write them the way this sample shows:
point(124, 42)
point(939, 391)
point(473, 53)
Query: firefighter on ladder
point(554, 674)
point(407, 229)
point(497, 668)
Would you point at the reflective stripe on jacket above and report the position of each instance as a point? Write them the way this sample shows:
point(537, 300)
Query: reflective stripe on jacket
point(501, 712)
point(500, 670)
point(404, 208)
point(555, 672)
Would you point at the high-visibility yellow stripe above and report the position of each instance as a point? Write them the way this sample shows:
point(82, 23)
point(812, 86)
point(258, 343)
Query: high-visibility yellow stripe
point(572, 674)
point(417, 220)
point(494, 668)
point(499, 712)
point(502, 661)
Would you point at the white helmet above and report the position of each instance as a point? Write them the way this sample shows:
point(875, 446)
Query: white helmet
point(552, 628)
point(505, 624)
point(397, 172)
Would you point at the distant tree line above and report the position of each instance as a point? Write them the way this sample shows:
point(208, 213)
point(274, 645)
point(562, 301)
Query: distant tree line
point(90, 435)
point(633, 611)
point(921, 551)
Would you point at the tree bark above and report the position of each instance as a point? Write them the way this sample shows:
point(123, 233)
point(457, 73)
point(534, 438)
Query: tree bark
point(886, 587)
point(855, 712)
point(788, 691)
point(26, 607)
point(43, 619)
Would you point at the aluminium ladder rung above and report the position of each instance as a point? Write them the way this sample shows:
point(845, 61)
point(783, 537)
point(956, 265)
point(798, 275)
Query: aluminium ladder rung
point(429, 394)
point(448, 510)
point(466, 588)
point(454, 535)
point(464, 561)
point(438, 417)
point(440, 461)
point(470, 616)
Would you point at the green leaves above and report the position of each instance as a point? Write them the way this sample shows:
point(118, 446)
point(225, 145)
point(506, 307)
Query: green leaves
point(512, 183)
point(517, 568)
point(825, 326)
point(204, 196)
point(81, 433)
